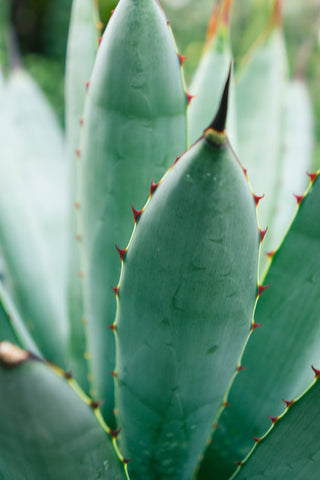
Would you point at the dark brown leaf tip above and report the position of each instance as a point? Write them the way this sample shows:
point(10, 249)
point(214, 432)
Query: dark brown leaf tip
point(11, 355)
point(219, 122)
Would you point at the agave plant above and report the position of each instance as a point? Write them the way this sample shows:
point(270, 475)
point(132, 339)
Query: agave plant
point(138, 336)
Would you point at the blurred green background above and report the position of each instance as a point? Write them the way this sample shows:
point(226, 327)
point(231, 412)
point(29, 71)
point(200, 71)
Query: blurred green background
point(42, 27)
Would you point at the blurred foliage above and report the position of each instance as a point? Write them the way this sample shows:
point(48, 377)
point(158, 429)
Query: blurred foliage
point(42, 27)
point(49, 74)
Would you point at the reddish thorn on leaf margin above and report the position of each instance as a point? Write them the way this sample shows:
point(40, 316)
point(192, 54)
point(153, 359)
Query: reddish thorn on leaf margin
point(114, 374)
point(136, 214)
point(255, 325)
point(262, 234)
point(189, 97)
point(115, 433)
point(121, 251)
point(95, 404)
point(238, 463)
point(99, 41)
point(112, 327)
point(78, 152)
point(257, 198)
point(68, 375)
point(127, 460)
point(87, 84)
point(245, 171)
point(271, 254)
point(153, 187)
point(316, 371)
point(262, 288)
point(240, 367)
point(287, 402)
point(299, 198)
point(256, 439)
point(226, 404)
point(116, 290)
point(312, 176)
point(182, 58)
point(273, 419)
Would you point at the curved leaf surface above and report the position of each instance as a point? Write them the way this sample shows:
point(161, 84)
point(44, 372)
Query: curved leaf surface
point(47, 431)
point(81, 54)
point(185, 303)
point(134, 125)
point(278, 356)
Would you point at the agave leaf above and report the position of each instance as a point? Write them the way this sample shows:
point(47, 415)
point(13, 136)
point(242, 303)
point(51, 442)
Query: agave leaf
point(134, 124)
point(260, 93)
point(209, 78)
point(81, 53)
point(291, 448)
point(278, 356)
point(296, 154)
point(6, 329)
point(41, 165)
point(185, 303)
point(12, 327)
point(47, 431)
point(27, 257)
